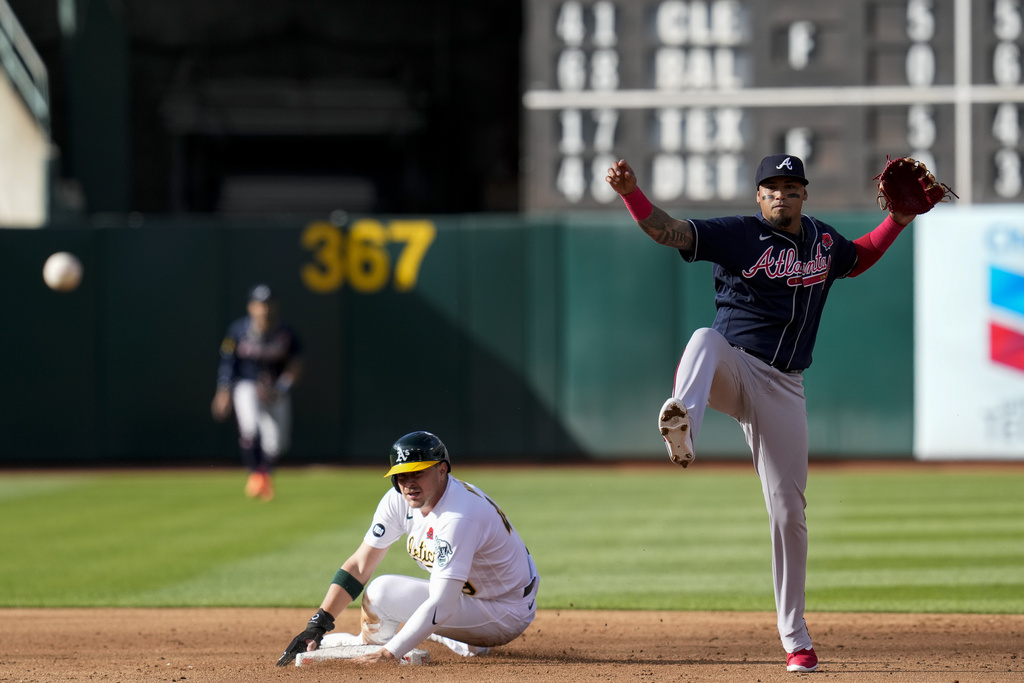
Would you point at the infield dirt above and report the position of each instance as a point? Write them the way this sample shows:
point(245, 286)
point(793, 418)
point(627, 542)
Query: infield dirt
point(225, 645)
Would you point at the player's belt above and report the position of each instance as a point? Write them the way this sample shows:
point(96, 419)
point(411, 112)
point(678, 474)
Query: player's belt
point(529, 588)
point(764, 360)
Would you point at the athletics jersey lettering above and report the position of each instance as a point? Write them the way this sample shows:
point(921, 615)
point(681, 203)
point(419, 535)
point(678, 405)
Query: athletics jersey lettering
point(465, 537)
point(786, 265)
point(422, 552)
point(430, 550)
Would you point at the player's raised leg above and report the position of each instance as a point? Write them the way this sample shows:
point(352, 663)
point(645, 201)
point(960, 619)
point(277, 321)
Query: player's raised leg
point(706, 375)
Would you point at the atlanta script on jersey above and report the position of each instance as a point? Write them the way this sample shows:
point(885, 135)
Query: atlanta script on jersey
point(770, 285)
point(247, 354)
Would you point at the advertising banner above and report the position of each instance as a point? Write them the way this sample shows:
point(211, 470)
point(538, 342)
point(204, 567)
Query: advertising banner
point(969, 333)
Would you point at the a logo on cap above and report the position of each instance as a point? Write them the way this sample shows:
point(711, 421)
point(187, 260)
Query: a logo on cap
point(787, 163)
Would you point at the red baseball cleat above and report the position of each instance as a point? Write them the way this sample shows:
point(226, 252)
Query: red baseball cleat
point(267, 490)
point(802, 661)
point(253, 484)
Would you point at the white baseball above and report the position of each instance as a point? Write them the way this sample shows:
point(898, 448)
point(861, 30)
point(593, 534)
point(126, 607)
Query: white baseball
point(62, 272)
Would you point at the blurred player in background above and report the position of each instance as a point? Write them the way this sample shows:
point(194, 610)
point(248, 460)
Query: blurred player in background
point(773, 271)
point(260, 361)
point(483, 583)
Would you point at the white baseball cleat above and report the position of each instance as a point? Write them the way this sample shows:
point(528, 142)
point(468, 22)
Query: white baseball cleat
point(674, 425)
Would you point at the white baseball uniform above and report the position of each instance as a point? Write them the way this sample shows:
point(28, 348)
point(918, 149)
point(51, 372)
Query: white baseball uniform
point(271, 420)
point(466, 538)
point(250, 359)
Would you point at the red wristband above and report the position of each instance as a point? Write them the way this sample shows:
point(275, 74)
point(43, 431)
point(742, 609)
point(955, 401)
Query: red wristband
point(639, 206)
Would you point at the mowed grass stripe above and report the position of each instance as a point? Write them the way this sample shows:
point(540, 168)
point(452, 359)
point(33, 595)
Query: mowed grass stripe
point(120, 534)
point(912, 539)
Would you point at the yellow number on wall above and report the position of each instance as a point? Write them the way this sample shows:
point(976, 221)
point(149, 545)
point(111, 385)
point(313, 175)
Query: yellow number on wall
point(418, 236)
point(325, 240)
point(369, 263)
point(362, 256)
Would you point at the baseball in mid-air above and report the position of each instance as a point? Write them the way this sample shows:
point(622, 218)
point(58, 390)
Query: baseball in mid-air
point(62, 272)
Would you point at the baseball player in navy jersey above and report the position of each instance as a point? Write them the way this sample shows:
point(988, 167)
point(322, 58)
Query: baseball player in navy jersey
point(483, 583)
point(773, 271)
point(260, 360)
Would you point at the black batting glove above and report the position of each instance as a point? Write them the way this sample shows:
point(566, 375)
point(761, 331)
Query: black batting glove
point(321, 623)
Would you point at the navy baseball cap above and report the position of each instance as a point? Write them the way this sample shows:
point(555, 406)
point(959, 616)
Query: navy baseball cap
point(780, 165)
point(261, 293)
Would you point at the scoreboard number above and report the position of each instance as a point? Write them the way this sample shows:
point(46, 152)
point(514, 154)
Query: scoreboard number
point(695, 92)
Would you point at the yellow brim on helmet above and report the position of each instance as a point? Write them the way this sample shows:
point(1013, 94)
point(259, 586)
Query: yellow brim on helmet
point(414, 452)
point(411, 467)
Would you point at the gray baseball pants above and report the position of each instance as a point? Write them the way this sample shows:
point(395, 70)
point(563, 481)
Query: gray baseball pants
point(770, 406)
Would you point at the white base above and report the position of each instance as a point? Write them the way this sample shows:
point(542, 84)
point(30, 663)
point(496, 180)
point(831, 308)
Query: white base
point(350, 651)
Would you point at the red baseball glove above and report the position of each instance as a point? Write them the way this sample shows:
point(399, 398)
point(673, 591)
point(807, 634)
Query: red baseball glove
point(906, 185)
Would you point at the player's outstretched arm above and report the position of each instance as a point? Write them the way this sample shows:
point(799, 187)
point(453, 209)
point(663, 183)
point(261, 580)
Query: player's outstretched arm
point(309, 639)
point(872, 245)
point(347, 585)
point(669, 231)
point(658, 225)
point(621, 177)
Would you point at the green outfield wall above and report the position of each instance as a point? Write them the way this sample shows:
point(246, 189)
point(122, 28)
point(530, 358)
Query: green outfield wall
point(514, 338)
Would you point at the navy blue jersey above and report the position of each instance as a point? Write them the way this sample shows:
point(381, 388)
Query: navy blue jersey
point(247, 354)
point(770, 286)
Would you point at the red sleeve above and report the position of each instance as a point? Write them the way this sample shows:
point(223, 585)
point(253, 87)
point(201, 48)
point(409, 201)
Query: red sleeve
point(871, 246)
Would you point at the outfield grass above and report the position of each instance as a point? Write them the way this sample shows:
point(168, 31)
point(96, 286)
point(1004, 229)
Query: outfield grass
point(906, 540)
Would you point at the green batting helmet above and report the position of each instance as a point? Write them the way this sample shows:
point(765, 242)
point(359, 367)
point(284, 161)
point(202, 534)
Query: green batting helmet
point(414, 452)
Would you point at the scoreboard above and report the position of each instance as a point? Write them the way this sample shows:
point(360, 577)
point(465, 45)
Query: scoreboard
point(693, 93)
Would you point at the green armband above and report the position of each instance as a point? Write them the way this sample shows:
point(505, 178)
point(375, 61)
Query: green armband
point(348, 582)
